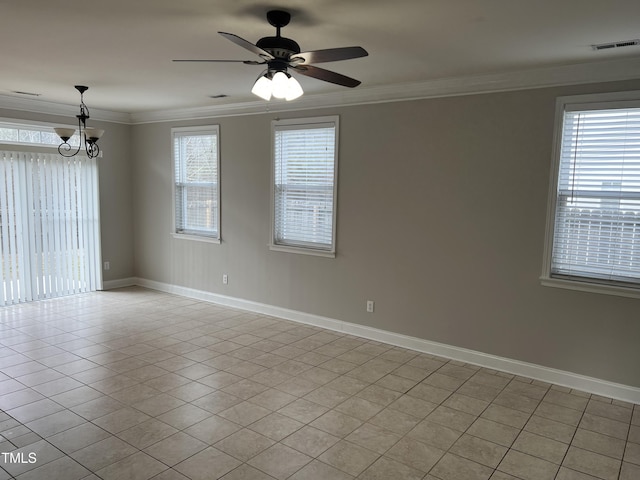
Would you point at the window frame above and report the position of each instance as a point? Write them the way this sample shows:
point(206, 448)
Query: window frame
point(600, 101)
point(42, 127)
point(305, 123)
point(177, 132)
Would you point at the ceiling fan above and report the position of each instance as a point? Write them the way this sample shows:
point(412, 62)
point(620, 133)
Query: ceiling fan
point(280, 54)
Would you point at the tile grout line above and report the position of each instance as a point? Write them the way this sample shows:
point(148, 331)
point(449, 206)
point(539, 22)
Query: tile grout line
point(514, 378)
point(572, 438)
point(156, 323)
point(626, 443)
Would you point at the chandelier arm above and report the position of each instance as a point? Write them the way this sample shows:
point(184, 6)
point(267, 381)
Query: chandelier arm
point(64, 148)
point(93, 150)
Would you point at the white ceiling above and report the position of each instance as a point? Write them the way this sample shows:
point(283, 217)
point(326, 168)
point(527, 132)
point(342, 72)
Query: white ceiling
point(122, 49)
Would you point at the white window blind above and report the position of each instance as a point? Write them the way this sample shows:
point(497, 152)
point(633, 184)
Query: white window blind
point(305, 164)
point(196, 169)
point(49, 226)
point(597, 218)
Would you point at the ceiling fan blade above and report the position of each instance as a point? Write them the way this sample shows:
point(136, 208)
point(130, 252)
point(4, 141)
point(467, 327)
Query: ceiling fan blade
point(326, 75)
point(246, 62)
point(329, 55)
point(248, 45)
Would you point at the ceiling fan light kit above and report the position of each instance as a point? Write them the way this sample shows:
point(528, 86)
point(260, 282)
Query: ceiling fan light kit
point(280, 54)
point(279, 85)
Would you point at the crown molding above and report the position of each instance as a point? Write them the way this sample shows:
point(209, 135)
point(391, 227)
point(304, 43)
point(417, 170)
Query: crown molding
point(593, 72)
point(582, 73)
point(51, 108)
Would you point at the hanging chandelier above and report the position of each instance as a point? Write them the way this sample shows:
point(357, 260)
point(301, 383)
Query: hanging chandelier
point(89, 135)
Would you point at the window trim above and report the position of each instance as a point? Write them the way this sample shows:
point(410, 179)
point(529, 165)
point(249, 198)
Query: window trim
point(630, 99)
point(305, 250)
point(196, 130)
point(45, 127)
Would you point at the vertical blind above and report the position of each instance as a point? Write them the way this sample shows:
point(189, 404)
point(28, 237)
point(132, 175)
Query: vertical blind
point(597, 223)
point(196, 183)
point(49, 224)
point(304, 190)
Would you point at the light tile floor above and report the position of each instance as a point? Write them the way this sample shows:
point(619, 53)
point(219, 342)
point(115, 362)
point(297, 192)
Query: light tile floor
point(136, 384)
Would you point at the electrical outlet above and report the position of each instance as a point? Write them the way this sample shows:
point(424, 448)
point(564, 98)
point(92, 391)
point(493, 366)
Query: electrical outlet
point(225, 279)
point(107, 265)
point(370, 306)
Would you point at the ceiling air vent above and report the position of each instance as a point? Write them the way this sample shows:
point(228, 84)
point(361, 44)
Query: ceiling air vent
point(625, 43)
point(19, 92)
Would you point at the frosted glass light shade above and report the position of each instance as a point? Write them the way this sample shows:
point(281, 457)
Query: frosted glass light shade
point(294, 89)
point(65, 133)
point(93, 133)
point(262, 88)
point(280, 84)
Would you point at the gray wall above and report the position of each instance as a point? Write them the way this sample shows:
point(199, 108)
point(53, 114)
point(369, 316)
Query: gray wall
point(116, 211)
point(441, 221)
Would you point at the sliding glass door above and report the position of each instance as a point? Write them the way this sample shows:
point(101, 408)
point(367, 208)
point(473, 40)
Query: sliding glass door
point(49, 226)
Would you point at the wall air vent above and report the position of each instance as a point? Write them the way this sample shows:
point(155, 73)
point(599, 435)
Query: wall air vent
point(625, 43)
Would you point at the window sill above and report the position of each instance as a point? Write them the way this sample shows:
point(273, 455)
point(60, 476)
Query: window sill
point(302, 251)
point(196, 238)
point(591, 287)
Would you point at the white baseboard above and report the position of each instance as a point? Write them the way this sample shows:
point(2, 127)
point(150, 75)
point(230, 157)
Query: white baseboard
point(538, 372)
point(120, 283)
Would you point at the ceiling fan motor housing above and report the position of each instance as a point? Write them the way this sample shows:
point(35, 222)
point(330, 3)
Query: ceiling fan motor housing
point(279, 47)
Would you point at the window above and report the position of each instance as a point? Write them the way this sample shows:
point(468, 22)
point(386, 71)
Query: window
point(49, 217)
point(304, 185)
point(11, 133)
point(196, 161)
point(594, 231)
point(49, 226)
